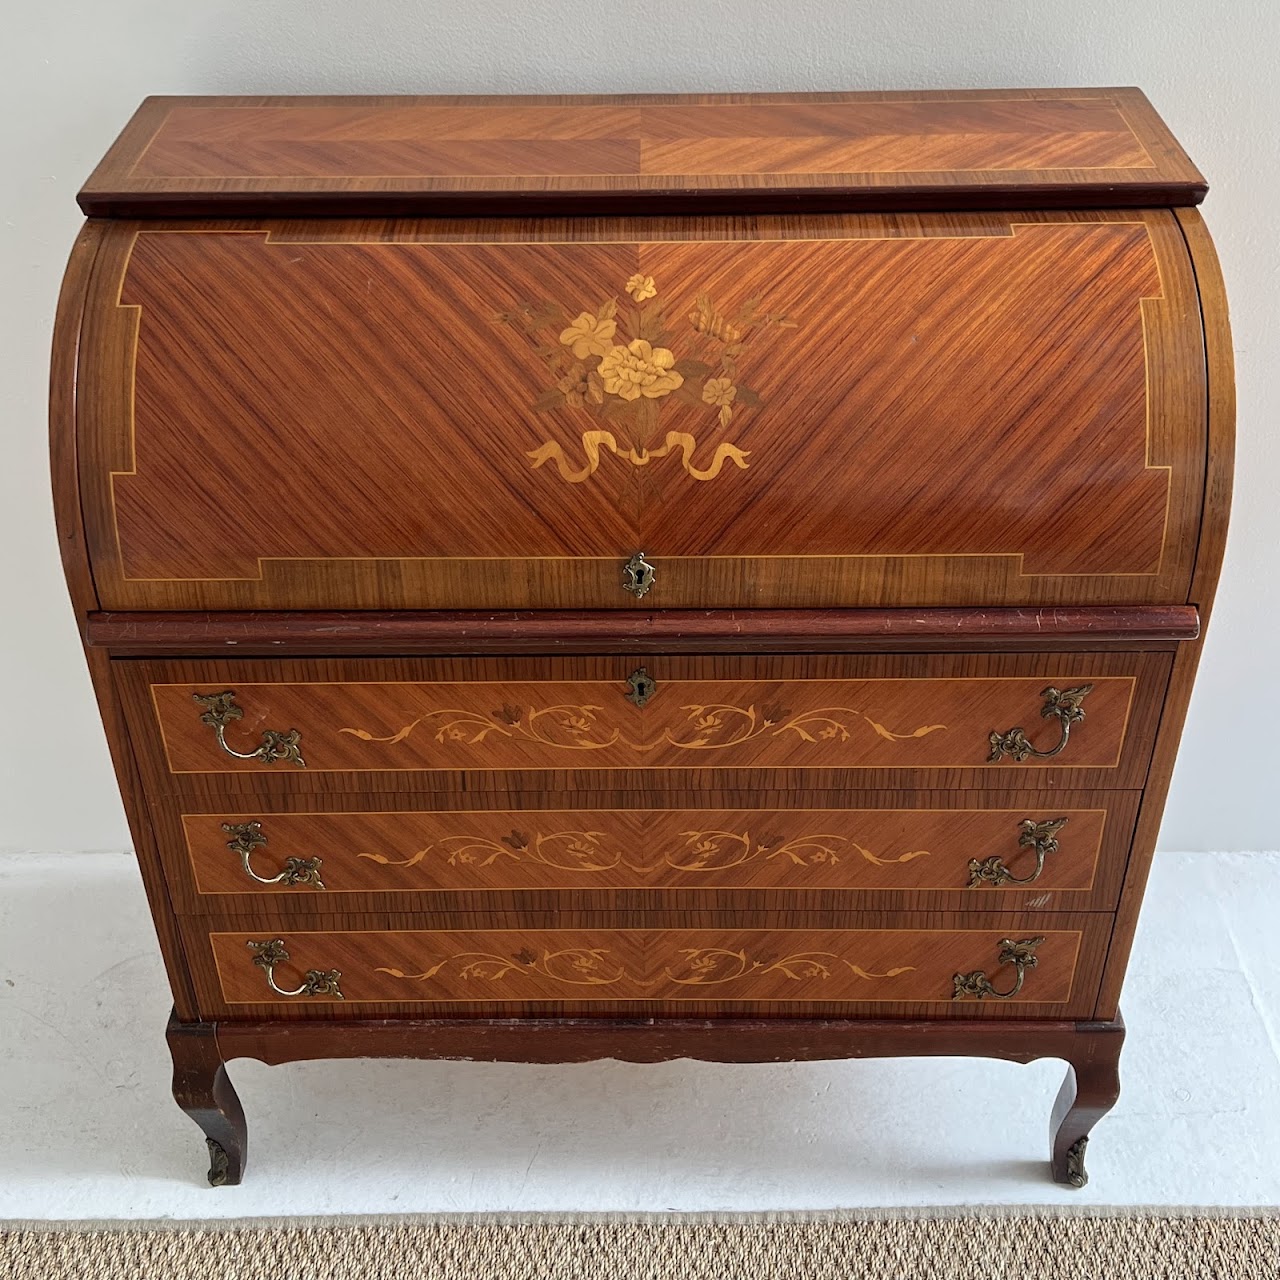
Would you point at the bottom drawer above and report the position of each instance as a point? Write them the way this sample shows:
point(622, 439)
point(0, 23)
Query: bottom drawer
point(843, 965)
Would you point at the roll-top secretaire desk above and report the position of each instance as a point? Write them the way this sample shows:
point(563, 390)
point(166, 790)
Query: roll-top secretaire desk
point(644, 577)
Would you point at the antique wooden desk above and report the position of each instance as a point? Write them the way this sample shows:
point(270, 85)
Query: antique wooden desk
point(644, 577)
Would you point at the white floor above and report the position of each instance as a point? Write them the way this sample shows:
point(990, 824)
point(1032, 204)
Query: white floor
point(88, 1130)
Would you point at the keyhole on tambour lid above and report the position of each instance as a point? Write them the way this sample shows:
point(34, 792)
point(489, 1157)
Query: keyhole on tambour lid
point(643, 686)
point(638, 575)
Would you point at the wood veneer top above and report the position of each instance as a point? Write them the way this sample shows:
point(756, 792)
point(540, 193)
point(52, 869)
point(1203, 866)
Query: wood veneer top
point(745, 152)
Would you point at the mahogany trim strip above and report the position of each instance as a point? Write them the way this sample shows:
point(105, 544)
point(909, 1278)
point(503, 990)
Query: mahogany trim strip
point(128, 634)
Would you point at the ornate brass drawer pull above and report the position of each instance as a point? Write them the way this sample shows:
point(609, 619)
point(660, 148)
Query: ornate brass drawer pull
point(643, 686)
point(1040, 836)
point(638, 575)
point(1062, 705)
point(247, 836)
point(977, 986)
point(221, 710)
point(315, 982)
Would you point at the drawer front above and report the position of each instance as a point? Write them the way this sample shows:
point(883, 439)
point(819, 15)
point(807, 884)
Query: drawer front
point(960, 966)
point(961, 850)
point(843, 410)
point(976, 718)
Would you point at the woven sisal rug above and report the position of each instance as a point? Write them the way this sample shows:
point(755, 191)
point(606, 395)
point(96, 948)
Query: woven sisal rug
point(974, 1245)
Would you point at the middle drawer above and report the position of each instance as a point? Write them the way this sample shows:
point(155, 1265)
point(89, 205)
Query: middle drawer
point(890, 850)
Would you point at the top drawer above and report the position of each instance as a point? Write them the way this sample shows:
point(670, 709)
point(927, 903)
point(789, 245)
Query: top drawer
point(828, 410)
point(664, 722)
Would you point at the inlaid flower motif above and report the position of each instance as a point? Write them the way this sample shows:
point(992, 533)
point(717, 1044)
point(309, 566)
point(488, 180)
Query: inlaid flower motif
point(722, 392)
point(588, 335)
point(639, 369)
point(641, 287)
point(718, 391)
point(581, 385)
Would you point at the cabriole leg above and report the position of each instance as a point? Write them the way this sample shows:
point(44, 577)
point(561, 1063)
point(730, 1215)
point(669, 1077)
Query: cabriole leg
point(1088, 1092)
point(203, 1090)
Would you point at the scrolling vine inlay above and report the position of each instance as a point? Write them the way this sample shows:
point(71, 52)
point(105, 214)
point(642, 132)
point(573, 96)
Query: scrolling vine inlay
point(617, 363)
point(589, 851)
point(725, 725)
point(709, 726)
point(558, 726)
point(596, 967)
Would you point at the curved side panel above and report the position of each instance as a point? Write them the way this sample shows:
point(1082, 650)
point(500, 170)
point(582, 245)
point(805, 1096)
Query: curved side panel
point(67, 324)
point(1220, 366)
point(72, 351)
point(1219, 463)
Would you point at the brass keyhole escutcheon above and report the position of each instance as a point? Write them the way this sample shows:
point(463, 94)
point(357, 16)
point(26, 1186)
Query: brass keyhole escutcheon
point(642, 686)
point(638, 575)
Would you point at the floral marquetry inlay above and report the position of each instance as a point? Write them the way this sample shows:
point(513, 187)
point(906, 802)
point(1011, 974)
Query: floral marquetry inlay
point(622, 361)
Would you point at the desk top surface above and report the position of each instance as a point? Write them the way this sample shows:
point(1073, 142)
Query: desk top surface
point(741, 153)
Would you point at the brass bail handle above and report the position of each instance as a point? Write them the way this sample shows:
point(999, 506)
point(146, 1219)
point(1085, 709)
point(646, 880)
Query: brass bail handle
point(977, 986)
point(220, 710)
point(1040, 836)
point(248, 836)
point(1062, 705)
point(315, 982)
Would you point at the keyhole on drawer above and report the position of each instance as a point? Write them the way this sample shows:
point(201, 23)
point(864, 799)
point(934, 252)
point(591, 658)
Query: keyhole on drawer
point(643, 686)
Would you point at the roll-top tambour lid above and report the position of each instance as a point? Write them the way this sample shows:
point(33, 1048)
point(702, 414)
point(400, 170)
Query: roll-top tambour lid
point(739, 153)
point(839, 410)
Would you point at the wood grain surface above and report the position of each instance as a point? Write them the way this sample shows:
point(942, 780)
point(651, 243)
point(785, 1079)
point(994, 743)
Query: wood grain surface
point(736, 963)
point(908, 714)
point(749, 151)
point(431, 415)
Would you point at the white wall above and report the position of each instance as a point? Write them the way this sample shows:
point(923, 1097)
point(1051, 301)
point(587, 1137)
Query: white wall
point(72, 73)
